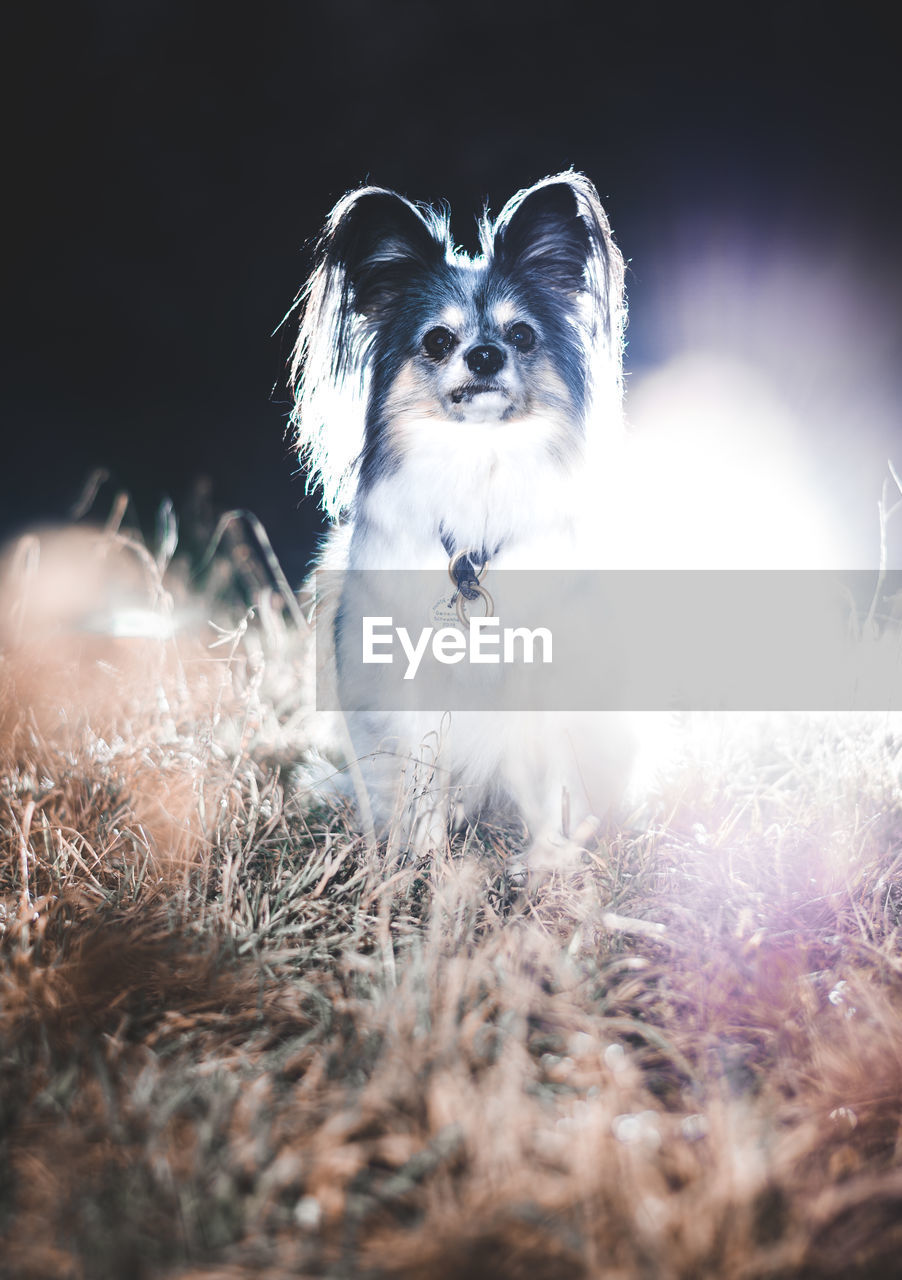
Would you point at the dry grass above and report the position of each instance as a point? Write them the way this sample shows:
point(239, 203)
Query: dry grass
point(235, 1045)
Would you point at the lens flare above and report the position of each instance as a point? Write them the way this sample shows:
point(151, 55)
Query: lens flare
point(715, 479)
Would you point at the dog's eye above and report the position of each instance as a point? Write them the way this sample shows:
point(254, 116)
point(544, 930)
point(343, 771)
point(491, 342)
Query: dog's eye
point(438, 342)
point(522, 336)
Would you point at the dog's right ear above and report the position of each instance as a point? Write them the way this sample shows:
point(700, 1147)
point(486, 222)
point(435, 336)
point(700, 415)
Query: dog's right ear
point(380, 241)
point(374, 247)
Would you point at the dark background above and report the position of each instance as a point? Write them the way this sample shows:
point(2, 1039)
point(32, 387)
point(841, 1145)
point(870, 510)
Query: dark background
point(167, 163)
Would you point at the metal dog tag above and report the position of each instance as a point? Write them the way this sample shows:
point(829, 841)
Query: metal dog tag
point(444, 612)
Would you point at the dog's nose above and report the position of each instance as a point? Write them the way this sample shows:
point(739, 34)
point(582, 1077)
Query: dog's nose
point(485, 361)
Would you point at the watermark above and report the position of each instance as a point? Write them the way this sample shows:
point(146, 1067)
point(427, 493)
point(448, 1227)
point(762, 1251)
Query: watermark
point(609, 641)
point(483, 641)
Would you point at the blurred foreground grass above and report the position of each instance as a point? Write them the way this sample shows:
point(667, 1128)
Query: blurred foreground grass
point(234, 1043)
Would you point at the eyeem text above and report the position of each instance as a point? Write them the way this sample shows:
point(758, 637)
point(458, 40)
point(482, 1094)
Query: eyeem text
point(485, 642)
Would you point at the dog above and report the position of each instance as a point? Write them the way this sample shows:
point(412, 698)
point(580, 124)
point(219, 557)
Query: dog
point(454, 414)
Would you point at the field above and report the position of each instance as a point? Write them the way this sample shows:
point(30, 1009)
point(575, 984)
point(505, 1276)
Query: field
point(235, 1042)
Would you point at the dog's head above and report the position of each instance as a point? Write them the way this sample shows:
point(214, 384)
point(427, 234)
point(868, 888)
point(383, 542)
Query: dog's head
point(400, 329)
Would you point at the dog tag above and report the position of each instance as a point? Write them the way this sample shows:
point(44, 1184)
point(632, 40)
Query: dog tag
point(444, 612)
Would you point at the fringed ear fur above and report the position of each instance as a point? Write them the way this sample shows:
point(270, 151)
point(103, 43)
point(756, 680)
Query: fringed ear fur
point(374, 243)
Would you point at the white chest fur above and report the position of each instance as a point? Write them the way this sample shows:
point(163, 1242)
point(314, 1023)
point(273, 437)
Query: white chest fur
point(500, 486)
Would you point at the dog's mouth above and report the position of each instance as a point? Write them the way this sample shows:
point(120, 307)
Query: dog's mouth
point(462, 395)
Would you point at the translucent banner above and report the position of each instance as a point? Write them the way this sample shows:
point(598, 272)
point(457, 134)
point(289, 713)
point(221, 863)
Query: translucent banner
point(632, 641)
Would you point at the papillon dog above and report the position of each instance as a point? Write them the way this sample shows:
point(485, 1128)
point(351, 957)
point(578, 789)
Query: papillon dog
point(454, 411)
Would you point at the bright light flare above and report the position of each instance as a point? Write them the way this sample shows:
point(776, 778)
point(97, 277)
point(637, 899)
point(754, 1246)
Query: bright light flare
point(715, 479)
point(132, 622)
point(761, 439)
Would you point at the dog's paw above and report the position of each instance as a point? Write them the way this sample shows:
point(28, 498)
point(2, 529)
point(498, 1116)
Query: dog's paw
point(554, 853)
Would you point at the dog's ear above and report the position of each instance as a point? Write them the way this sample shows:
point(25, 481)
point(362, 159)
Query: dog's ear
point(380, 242)
point(374, 247)
point(540, 232)
point(555, 239)
point(555, 232)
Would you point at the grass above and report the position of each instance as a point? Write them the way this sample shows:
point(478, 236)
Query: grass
point(234, 1043)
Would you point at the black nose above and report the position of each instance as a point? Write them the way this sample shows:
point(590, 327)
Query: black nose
point(485, 360)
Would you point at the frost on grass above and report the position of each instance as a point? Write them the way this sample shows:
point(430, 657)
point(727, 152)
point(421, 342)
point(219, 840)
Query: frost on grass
point(236, 1043)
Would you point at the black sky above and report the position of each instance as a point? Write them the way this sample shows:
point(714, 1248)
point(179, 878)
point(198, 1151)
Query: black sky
point(167, 162)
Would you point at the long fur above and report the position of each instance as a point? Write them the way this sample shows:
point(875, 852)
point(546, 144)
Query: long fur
point(445, 403)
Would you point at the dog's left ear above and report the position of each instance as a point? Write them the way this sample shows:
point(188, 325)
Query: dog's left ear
point(556, 239)
point(557, 233)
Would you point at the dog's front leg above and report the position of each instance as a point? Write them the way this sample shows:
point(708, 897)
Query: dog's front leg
point(408, 786)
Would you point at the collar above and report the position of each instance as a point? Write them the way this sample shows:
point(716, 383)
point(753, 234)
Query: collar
point(467, 564)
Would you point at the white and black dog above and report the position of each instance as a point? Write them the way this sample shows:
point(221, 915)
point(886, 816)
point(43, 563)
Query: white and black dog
point(450, 409)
